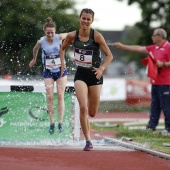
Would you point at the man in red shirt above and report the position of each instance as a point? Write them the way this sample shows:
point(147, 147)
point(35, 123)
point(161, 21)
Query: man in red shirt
point(160, 94)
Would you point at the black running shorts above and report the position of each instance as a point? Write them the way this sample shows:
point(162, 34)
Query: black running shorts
point(88, 76)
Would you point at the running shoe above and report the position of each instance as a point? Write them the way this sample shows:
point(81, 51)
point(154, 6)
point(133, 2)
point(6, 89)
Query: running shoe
point(51, 130)
point(88, 146)
point(60, 129)
point(165, 133)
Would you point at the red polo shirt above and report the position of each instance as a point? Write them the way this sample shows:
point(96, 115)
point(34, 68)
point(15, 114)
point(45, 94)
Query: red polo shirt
point(161, 53)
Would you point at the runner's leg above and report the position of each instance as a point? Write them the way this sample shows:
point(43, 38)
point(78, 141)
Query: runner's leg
point(81, 90)
point(94, 99)
point(61, 85)
point(49, 84)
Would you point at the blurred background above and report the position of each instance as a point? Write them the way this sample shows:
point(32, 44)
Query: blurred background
point(127, 21)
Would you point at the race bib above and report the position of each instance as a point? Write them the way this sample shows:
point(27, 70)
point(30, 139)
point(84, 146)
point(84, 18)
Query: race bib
point(52, 62)
point(83, 58)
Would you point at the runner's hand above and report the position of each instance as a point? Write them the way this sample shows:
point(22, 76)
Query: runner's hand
point(63, 67)
point(99, 72)
point(32, 62)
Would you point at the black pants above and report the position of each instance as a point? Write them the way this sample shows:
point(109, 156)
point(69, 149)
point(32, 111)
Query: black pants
point(160, 102)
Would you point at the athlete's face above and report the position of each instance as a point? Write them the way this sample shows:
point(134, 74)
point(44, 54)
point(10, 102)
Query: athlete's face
point(50, 32)
point(86, 20)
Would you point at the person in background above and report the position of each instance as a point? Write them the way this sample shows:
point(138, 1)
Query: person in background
point(88, 78)
point(50, 44)
point(160, 93)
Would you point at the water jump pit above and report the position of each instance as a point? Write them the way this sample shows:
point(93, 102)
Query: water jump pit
point(24, 119)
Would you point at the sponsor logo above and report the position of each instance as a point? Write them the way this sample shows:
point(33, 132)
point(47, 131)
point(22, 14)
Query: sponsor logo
point(3, 110)
point(2, 122)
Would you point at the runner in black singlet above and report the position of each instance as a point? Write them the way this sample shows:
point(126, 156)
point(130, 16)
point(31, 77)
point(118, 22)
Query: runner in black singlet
point(88, 78)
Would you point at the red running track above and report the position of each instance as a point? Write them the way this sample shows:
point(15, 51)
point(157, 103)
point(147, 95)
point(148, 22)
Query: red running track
point(65, 158)
point(76, 159)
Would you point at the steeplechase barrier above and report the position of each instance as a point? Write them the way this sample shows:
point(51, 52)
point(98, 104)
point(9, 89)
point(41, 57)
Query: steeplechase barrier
point(24, 115)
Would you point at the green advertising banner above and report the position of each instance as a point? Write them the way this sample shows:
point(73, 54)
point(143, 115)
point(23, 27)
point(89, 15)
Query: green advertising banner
point(24, 117)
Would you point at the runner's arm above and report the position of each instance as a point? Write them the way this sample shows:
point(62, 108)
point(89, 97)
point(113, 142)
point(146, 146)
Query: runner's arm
point(69, 38)
point(109, 57)
point(62, 36)
point(35, 53)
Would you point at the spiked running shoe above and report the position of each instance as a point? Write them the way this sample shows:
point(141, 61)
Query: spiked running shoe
point(51, 130)
point(88, 146)
point(60, 129)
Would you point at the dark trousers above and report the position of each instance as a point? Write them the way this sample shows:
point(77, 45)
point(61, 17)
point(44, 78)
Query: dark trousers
point(160, 101)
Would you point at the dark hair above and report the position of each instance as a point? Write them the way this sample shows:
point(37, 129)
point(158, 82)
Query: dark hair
point(88, 11)
point(49, 23)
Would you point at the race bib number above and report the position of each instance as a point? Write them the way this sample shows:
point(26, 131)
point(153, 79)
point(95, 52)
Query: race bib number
point(83, 58)
point(52, 62)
